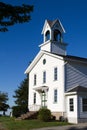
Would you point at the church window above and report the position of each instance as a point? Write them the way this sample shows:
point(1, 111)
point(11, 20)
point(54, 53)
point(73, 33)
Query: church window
point(35, 79)
point(44, 77)
point(84, 104)
point(55, 73)
point(47, 36)
point(44, 61)
point(71, 104)
point(34, 98)
point(55, 95)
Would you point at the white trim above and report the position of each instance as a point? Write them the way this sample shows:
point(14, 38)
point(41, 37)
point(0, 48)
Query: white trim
point(44, 43)
point(62, 26)
point(44, 26)
point(70, 93)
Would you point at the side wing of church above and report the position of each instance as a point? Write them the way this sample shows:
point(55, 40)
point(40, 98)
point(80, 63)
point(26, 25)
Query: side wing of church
point(58, 81)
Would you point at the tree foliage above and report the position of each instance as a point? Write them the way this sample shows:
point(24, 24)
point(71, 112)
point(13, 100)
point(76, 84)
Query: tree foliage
point(3, 102)
point(17, 111)
point(21, 94)
point(10, 15)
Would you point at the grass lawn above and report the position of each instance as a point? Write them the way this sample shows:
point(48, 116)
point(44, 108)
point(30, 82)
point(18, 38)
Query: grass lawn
point(8, 123)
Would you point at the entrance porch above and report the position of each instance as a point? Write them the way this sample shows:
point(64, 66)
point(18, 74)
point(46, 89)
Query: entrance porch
point(43, 94)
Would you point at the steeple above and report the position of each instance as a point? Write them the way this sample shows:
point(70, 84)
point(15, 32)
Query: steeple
point(53, 37)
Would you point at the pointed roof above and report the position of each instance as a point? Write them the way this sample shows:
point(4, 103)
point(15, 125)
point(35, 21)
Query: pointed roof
point(37, 58)
point(62, 57)
point(73, 58)
point(52, 23)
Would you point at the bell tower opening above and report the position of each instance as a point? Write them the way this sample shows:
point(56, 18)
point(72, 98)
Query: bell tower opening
point(47, 36)
point(57, 35)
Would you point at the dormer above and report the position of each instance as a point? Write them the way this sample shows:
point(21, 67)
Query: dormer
point(53, 37)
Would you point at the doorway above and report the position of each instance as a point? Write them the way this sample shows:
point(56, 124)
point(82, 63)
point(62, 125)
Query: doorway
point(44, 99)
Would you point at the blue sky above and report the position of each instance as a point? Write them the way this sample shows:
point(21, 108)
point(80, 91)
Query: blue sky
point(19, 45)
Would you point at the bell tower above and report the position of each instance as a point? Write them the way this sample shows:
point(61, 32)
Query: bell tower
point(53, 37)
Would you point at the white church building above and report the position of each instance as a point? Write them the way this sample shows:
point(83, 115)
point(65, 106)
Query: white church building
point(56, 80)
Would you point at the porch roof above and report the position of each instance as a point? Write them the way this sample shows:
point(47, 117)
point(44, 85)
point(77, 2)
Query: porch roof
point(78, 89)
point(41, 88)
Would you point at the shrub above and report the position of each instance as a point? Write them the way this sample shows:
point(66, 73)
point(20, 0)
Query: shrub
point(44, 114)
point(63, 119)
point(18, 110)
point(53, 118)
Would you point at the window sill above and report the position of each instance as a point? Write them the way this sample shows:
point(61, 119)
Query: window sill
point(55, 102)
point(55, 80)
point(34, 85)
point(44, 83)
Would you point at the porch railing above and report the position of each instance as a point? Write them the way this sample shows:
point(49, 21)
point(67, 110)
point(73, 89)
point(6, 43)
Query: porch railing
point(34, 107)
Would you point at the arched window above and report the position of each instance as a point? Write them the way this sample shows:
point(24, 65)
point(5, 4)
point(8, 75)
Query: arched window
point(57, 35)
point(47, 36)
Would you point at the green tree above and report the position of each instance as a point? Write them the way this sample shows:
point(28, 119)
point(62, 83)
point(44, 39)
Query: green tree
point(10, 15)
point(3, 102)
point(21, 96)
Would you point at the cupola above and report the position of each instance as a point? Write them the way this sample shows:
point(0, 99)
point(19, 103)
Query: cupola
point(53, 37)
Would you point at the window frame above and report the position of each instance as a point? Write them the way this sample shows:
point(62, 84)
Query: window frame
point(71, 104)
point(55, 73)
point(35, 79)
point(84, 106)
point(34, 98)
point(44, 77)
point(55, 100)
point(44, 61)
